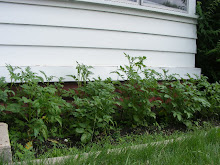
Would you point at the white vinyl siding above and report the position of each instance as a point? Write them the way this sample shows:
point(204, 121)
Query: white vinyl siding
point(52, 35)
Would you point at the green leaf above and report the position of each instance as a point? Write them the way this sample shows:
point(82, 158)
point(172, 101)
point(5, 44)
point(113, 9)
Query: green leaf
point(179, 116)
point(85, 137)
point(80, 130)
point(2, 108)
point(36, 131)
point(153, 115)
point(44, 132)
point(130, 105)
point(136, 118)
point(25, 100)
point(100, 125)
point(15, 108)
point(188, 114)
point(83, 125)
point(59, 120)
point(188, 123)
point(167, 96)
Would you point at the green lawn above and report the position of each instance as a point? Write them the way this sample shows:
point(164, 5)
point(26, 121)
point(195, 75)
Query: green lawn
point(198, 146)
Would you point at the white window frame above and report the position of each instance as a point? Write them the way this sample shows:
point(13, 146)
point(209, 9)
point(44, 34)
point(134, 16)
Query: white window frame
point(141, 2)
point(190, 13)
point(126, 1)
point(166, 8)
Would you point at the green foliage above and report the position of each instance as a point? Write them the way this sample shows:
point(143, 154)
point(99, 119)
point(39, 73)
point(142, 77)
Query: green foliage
point(212, 93)
point(181, 101)
point(36, 110)
point(135, 94)
point(94, 107)
point(33, 107)
point(5, 92)
point(143, 99)
point(208, 56)
point(83, 74)
point(22, 152)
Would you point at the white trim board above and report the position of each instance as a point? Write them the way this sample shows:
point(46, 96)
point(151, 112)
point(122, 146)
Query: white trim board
point(112, 7)
point(102, 71)
point(190, 13)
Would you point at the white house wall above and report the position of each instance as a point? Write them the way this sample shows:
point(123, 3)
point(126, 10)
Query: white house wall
point(52, 35)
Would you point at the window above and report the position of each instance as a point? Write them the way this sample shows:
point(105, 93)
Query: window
point(176, 4)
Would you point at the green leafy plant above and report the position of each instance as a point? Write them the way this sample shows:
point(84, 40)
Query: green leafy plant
point(211, 91)
point(180, 101)
point(21, 152)
point(35, 106)
point(93, 105)
point(93, 109)
point(135, 105)
point(5, 93)
point(83, 73)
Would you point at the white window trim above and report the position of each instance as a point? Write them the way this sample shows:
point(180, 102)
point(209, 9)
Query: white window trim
point(125, 1)
point(141, 2)
point(166, 8)
point(191, 7)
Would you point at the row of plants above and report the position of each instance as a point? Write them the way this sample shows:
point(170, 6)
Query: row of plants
point(37, 110)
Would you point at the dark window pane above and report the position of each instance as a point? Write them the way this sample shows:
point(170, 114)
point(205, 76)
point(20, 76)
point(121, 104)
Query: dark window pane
point(178, 4)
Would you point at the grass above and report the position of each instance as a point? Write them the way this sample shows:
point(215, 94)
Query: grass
point(199, 146)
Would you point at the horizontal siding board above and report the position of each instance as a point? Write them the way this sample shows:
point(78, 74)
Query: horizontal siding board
point(72, 37)
point(66, 17)
point(51, 56)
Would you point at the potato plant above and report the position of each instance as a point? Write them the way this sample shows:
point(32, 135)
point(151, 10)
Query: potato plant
point(36, 109)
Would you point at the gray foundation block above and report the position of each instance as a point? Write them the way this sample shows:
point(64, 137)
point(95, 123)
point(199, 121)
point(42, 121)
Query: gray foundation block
point(5, 147)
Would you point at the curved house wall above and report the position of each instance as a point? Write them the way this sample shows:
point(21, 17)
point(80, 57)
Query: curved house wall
point(52, 35)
